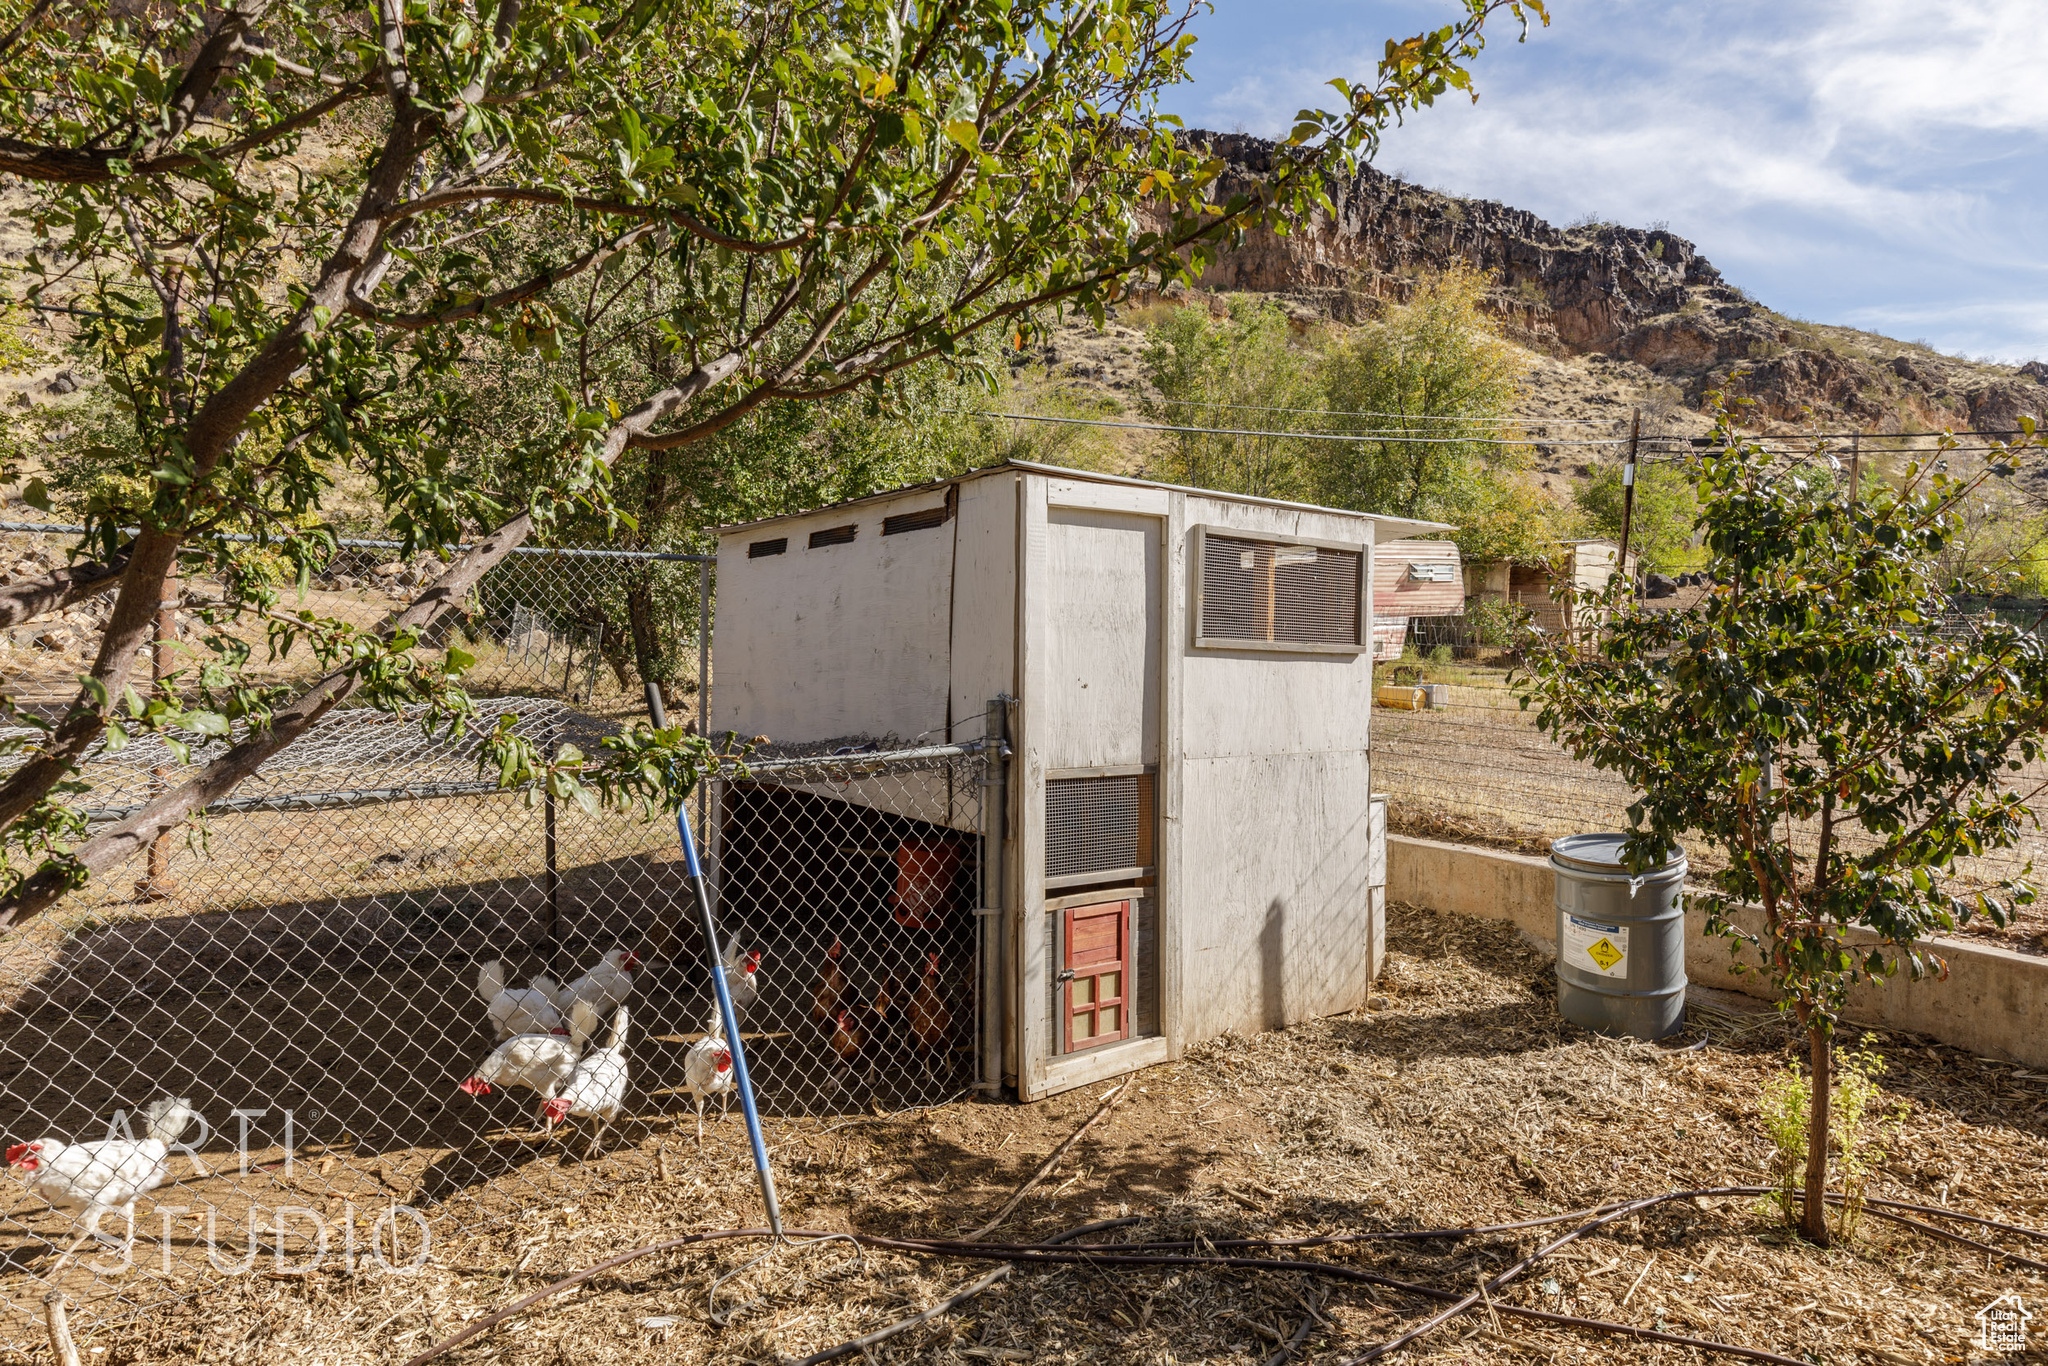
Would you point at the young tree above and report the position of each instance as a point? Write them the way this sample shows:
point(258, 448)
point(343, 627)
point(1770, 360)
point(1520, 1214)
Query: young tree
point(1804, 719)
point(1435, 377)
point(284, 226)
point(1247, 372)
point(1667, 509)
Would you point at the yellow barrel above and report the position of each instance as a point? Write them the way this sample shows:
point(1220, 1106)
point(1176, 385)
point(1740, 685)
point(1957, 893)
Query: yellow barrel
point(1407, 699)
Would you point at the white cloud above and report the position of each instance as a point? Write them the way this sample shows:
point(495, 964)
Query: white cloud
point(1841, 159)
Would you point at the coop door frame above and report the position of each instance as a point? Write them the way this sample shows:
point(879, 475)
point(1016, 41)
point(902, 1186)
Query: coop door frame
point(1034, 1034)
point(1081, 983)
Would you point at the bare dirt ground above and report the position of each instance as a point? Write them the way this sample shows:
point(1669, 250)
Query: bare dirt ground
point(1462, 1100)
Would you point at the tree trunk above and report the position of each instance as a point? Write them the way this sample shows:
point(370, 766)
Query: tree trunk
point(654, 510)
point(1814, 1223)
point(157, 883)
point(646, 636)
point(113, 846)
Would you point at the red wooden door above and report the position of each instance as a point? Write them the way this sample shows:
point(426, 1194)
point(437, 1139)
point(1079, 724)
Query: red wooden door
point(1097, 974)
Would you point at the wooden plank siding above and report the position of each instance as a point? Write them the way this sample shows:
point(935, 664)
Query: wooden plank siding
point(1074, 594)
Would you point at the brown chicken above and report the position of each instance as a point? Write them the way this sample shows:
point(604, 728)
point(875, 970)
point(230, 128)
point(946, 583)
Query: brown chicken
point(850, 1042)
point(831, 987)
point(882, 1007)
point(930, 1021)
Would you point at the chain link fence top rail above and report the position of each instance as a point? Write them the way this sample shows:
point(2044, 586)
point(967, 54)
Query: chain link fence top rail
point(1478, 771)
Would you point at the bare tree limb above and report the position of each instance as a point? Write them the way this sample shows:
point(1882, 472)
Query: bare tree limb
point(521, 194)
point(504, 298)
point(54, 592)
point(75, 166)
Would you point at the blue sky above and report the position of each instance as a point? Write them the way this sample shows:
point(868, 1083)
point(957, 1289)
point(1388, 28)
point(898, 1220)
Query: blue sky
point(1881, 164)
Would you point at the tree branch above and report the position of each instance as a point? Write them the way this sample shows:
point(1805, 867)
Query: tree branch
point(504, 298)
point(28, 21)
point(111, 847)
point(212, 60)
point(210, 433)
point(74, 166)
point(524, 194)
point(54, 592)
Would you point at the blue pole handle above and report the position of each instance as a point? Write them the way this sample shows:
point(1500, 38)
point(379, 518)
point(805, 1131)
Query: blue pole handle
point(695, 873)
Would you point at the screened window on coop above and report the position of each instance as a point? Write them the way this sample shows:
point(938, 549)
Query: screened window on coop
point(1268, 592)
point(1098, 826)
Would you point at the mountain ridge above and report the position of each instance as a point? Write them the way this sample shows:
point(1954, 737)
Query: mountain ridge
point(1643, 298)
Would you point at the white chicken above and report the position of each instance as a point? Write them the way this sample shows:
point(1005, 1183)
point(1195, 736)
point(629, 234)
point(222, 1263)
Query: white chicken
point(518, 1010)
point(539, 1062)
point(108, 1175)
point(597, 1090)
point(707, 1071)
point(741, 984)
point(604, 988)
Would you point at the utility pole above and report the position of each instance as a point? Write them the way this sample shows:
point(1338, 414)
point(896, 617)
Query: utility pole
point(1628, 495)
point(1855, 466)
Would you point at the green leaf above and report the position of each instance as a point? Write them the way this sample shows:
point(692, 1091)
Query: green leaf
point(964, 132)
point(205, 722)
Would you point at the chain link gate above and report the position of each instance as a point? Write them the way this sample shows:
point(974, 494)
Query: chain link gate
point(862, 877)
point(301, 965)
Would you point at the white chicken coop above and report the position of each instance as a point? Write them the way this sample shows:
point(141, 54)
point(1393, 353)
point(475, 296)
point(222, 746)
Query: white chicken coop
point(1188, 842)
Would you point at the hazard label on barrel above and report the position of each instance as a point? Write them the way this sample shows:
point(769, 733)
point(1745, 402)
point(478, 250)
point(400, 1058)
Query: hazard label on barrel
point(1594, 947)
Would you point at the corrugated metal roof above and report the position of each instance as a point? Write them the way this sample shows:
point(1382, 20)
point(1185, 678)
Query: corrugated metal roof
point(1386, 527)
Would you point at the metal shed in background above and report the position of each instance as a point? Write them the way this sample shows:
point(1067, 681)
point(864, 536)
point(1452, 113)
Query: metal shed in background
point(1187, 841)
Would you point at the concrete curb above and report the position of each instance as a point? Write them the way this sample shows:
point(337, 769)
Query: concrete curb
point(1994, 1001)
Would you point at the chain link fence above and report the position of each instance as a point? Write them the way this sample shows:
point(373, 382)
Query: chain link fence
point(306, 966)
point(857, 870)
point(1478, 771)
point(542, 623)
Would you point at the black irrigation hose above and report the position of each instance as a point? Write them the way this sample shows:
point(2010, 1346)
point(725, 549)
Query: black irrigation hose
point(1958, 1214)
point(1331, 1271)
point(1946, 1236)
point(1124, 1255)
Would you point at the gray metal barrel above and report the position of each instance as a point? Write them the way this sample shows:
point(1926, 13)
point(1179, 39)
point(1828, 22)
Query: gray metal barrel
point(1620, 938)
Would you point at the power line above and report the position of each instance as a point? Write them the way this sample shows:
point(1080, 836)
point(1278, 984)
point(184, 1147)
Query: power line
point(1406, 417)
point(1367, 437)
point(1847, 436)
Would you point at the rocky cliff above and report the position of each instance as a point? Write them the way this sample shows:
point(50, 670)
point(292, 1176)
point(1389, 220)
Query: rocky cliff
point(1644, 298)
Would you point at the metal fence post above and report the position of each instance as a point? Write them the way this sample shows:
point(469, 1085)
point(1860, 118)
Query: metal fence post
point(157, 883)
point(703, 668)
point(990, 926)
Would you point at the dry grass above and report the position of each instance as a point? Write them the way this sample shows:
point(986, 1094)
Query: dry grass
point(1480, 773)
point(1462, 1099)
